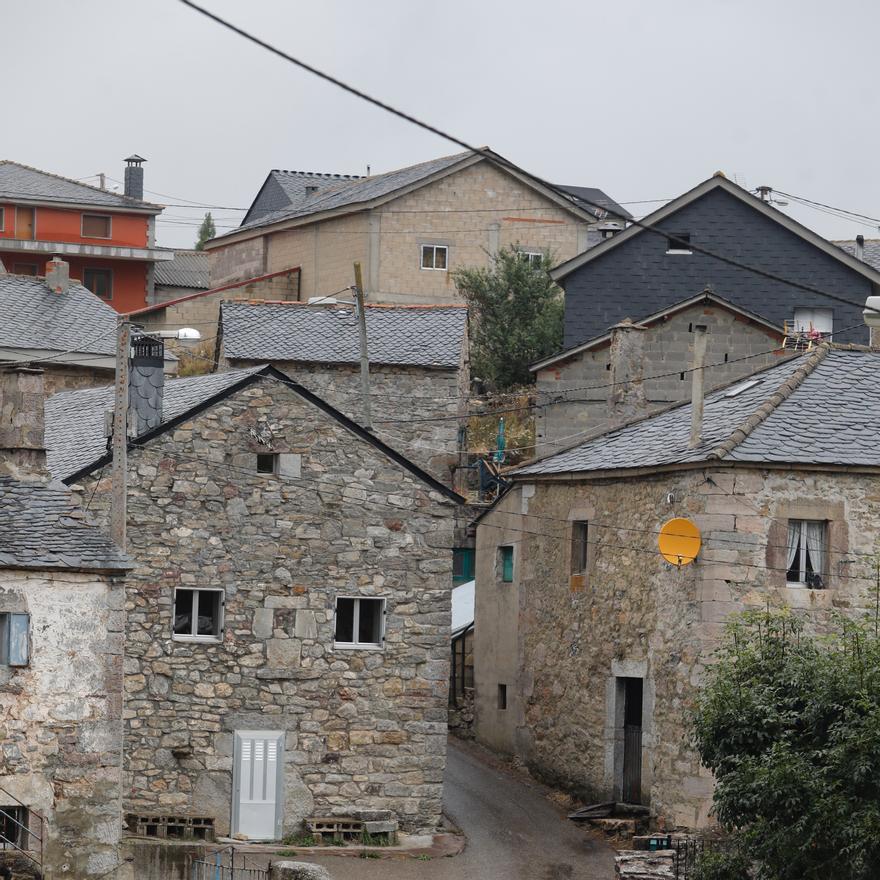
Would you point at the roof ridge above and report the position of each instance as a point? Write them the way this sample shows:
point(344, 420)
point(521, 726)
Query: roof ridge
point(331, 175)
point(80, 183)
point(347, 305)
point(782, 393)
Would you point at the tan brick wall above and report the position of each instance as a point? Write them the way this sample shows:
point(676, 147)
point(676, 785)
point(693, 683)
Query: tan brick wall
point(325, 251)
point(235, 262)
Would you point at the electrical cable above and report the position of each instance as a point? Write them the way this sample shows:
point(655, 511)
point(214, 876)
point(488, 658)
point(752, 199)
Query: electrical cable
point(504, 163)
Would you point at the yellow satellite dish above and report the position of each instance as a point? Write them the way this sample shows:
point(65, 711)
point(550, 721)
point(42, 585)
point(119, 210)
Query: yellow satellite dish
point(679, 541)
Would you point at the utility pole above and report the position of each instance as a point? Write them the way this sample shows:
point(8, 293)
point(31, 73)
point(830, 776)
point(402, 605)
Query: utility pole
point(362, 326)
point(118, 513)
point(101, 177)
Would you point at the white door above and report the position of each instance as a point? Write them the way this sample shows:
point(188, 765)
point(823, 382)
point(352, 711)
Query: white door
point(257, 782)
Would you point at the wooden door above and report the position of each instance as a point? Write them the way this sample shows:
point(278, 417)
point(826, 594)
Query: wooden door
point(632, 741)
point(24, 223)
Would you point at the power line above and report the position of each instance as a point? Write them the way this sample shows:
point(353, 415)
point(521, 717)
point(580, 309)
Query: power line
point(504, 163)
point(874, 220)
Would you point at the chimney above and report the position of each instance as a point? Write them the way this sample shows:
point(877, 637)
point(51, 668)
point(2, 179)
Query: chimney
point(146, 383)
point(134, 176)
point(22, 448)
point(627, 397)
point(860, 247)
point(701, 337)
point(57, 275)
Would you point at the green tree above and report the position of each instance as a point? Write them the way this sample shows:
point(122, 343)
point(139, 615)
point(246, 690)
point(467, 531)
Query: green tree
point(206, 231)
point(790, 726)
point(516, 315)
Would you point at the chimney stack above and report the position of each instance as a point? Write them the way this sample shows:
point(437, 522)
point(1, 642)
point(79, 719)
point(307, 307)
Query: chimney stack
point(627, 397)
point(134, 176)
point(57, 275)
point(860, 247)
point(701, 337)
point(22, 447)
point(146, 383)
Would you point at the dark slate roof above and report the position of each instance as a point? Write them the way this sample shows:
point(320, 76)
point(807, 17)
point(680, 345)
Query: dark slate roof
point(23, 183)
point(75, 419)
point(187, 269)
point(870, 254)
point(32, 316)
point(287, 189)
point(362, 190)
point(41, 528)
point(593, 196)
point(822, 407)
point(422, 336)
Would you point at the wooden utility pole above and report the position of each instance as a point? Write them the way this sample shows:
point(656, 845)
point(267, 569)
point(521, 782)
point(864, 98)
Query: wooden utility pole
point(118, 513)
point(362, 326)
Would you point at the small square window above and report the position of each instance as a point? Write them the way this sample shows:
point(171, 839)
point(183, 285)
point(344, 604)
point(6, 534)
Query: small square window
point(360, 623)
point(434, 256)
point(14, 639)
point(534, 258)
point(267, 463)
point(99, 281)
point(678, 243)
point(96, 226)
point(505, 564)
point(24, 268)
point(462, 565)
point(502, 696)
point(198, 615)
point(807, 551)
point(579, 544)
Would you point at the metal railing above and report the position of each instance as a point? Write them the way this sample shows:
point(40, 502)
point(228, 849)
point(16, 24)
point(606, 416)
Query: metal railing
point(30, 843)
point(213, 867)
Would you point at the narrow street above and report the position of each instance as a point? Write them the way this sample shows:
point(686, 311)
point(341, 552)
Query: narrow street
point(514, 832)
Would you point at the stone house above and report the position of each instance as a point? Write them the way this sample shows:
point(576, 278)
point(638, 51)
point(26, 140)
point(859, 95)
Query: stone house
point(408, 228)
point(55, 321)
point(660, 281)
point(592, 646)
point(288, 616)
point(61, 646)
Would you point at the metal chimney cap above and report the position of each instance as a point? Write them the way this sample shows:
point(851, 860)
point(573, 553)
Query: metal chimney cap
point(134, 159)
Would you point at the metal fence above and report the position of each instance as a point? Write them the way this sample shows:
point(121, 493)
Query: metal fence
point(212, 867)
point(688, 851)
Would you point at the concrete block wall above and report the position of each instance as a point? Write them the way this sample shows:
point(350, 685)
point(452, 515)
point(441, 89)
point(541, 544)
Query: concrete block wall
point(736, 347)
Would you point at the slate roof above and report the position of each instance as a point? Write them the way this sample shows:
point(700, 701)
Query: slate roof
point(870, 254)
point(822, 407)
point(287, 189)
point(188, 269)
point(32, 316)
point(41, 528)
point(23, 183)
point(422, 336)
point(75, 419)
point(593, 197)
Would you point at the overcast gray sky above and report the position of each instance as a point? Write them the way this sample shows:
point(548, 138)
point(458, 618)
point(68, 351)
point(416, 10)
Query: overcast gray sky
point(641, 98)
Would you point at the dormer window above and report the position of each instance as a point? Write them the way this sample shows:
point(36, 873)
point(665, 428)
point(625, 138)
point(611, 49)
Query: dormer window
point(678, 243)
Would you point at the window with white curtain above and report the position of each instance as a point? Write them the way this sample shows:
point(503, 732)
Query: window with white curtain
point(807, 541)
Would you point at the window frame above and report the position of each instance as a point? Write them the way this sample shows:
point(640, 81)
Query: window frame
point(22, 657)
point(803, 550)
point(265, 473)
point(580, 547)
point(82, 225)
point(108, 270)
point(528, 256)
point(2, 218)
point(17, 266)
point(221, 617)
point(503, 701)
point(434, 248)
point(674, 248)
point(467, 556)
point(502, 560)
point(355, 622)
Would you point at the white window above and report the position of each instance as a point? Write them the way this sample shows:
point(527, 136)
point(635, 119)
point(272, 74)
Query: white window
point(678, 243)
point(534, 258)
point(814, 321)
point(360, 623)
point(198, 615)
point(281, 464)
point(806, 553)
point(434, 256)
point(14, 634)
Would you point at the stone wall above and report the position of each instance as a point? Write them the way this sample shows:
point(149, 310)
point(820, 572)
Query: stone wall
point(562, 646)
point(63, 378)
point(582, 381)
point(61, 716)
point(363, 728)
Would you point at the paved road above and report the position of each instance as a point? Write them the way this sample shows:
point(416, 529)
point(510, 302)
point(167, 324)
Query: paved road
point(514, 833)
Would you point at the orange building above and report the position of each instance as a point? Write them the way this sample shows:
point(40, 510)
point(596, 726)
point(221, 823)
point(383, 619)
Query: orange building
point(107, 238)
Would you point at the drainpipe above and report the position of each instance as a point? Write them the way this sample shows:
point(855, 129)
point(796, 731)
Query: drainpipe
point(697, 383)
